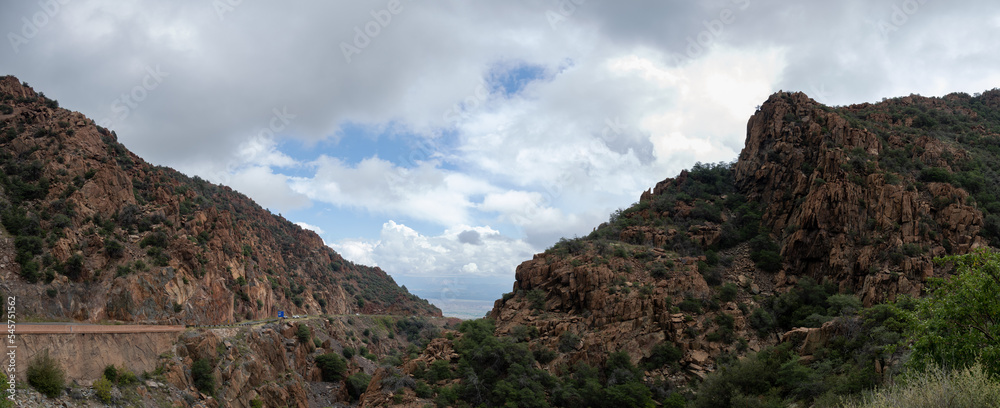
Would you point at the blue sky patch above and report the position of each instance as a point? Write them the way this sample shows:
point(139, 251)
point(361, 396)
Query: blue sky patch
point(509, 81)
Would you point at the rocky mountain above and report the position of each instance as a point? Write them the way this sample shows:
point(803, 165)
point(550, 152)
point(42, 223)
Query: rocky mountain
point(824, 205)
point(92, 232)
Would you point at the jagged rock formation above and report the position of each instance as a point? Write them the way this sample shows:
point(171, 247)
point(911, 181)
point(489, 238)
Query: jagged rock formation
point(863, 197)
point(92, 232)
point(839, 211)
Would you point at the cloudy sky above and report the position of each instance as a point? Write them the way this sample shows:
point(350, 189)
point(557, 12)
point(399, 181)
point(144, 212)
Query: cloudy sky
point(449, 141)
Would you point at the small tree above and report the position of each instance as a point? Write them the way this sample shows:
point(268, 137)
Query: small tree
point(45, 375)
point(201, 374)
point(332, 366)
point(958, 323)
point(303, 333)
point(357, 383)
point(568, 341)
point(102, 389)
point(111, 373)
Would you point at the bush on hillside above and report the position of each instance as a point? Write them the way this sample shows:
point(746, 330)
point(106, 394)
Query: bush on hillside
point(201, 375)
point(331, 366)
point(46, 375)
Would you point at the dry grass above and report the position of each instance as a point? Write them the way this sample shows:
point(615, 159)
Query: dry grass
point(967, 388)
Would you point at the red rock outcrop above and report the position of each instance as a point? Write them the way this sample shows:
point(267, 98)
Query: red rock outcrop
point(844, 200)
point(149, 244)
point(838, 217)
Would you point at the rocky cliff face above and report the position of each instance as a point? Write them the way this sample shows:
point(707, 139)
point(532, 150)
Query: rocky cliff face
point(863, 197)
point(92, 232)
point(841, 212)
point(272, 363)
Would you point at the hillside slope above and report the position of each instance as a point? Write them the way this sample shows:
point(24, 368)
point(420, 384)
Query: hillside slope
point(92, 232)
point(723, 259)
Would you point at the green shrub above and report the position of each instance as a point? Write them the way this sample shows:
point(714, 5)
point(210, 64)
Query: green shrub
point(201, 375)
point(123, 270)
point(73, 268)
point(659, 271)
point(348, 352)
point(763, 321)
point(332, 366)
point(111, 373)
point(423, 390)
point(356, 384)
point(102, 389)
point(536, 298)
point(544, 355)
point(935, 174)
point(29, 271)
point(746, 382)
point(157, 239)
point(4, 385)
point(690, 305)
point(728, 292)
point(46, 375)
point(113, 249)
point(256, 403)
point(663, 354)
point(440, 370)
point(568, 341)
point(303, 333)
point(957, 320)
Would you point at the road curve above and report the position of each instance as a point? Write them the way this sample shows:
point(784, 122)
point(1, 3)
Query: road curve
point(75, 328)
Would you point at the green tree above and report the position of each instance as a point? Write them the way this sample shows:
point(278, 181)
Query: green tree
point(102, 388)
point(958, 323)
point(303, 333)
point(111, 373)
point(357, 384)
point(201, 374)
point(46, 376)
point(332, 366)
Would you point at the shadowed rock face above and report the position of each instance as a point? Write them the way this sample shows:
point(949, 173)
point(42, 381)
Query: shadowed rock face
point(121, 239)
point(843, 195)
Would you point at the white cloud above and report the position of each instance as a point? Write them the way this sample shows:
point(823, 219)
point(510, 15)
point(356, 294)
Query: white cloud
point(356, 251)
point(425, 192)
point(613, 113)
point(268, 189)
point(406, 252)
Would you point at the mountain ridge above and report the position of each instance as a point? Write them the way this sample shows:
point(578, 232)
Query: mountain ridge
point(111, 237)
point(856, 200)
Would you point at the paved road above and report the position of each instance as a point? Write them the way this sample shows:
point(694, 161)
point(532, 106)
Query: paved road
point(73, 328)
